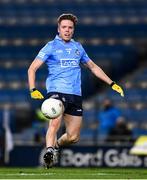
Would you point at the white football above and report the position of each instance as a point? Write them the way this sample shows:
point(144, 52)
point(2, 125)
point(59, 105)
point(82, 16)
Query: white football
point(52, 108)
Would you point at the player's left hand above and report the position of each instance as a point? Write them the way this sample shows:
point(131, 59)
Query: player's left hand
point(117, 88)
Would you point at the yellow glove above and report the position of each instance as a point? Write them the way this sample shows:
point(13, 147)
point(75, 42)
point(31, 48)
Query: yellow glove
point(35, 94)
point(117, 88)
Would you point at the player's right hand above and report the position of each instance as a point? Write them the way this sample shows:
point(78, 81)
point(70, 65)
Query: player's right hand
point(35, 94)
point(117, 88)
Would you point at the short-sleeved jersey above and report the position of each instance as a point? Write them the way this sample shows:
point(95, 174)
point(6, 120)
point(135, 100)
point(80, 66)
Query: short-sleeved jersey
point(63, 60)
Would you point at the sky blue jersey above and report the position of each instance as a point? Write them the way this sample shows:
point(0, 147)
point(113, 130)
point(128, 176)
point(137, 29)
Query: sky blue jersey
point(63, 60)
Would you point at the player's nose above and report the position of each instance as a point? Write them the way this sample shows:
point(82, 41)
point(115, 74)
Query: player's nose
point(67, 29)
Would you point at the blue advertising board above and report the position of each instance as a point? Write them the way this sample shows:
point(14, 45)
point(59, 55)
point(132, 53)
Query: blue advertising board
point(102, 156)
point(79, 156)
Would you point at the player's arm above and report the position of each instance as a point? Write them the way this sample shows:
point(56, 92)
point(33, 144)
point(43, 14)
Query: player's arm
point(99, 73)
point(35, 94)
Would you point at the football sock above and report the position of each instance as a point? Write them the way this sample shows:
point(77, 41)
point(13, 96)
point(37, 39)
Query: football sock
point(50, 149)
point(57, 146)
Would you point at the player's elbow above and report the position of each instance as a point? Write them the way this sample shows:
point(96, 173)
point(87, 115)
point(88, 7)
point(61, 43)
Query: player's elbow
point(31, 70)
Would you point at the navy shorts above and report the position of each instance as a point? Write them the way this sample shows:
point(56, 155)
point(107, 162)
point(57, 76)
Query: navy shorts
point(72, 103)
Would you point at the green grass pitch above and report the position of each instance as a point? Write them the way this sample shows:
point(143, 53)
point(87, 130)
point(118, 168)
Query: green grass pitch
point(73, 173)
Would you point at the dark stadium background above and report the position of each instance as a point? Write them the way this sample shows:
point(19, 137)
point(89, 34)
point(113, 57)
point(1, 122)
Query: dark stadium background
point(114, 34)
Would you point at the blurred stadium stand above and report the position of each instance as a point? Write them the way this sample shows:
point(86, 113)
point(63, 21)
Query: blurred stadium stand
point(114, 34)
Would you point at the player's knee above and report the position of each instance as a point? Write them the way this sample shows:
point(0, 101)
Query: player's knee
point(73, 138)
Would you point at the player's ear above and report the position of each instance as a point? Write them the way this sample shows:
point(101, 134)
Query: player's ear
point(58, 28)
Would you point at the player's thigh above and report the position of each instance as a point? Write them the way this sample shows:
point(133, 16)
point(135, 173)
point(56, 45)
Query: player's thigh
point(73, 124)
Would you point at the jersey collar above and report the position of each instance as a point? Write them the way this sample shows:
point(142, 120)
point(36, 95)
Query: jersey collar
point(60, 39)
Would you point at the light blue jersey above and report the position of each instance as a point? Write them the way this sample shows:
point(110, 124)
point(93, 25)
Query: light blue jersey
point(63, 60)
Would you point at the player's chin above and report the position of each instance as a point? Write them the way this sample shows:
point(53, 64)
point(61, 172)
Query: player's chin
point(67, 39)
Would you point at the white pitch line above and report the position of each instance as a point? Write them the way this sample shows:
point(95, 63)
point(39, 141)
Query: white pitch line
point(26, 174)
point(46, 174)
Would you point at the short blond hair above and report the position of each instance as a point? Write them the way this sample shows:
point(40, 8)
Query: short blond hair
point(71, 17)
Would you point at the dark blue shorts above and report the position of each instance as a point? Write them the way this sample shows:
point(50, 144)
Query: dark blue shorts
point(72, 103)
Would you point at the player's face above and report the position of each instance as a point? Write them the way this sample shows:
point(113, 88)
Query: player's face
point(66, 29)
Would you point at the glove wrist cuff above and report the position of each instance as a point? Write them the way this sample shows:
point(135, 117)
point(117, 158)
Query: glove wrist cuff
point(112, 83)
point(33, 89)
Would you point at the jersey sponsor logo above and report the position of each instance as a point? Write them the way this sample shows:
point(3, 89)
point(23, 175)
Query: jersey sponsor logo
point(69, 63)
